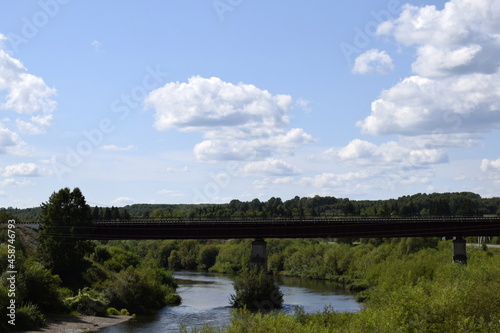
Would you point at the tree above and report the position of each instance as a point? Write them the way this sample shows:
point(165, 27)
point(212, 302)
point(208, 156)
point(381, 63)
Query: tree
point(256, 290)
point(66, 217)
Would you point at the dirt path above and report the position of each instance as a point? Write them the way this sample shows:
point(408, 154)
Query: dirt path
point(78, 324)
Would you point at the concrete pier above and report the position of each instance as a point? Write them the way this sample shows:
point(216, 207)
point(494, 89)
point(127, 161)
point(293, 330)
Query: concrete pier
point(459, 251)
point(258, 258)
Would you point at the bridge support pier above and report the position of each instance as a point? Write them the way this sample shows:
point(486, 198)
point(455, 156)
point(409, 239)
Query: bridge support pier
point(258, 258)
point(459, 251)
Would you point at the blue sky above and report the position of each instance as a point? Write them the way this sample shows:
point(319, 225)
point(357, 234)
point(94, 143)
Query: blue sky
point(208, 101)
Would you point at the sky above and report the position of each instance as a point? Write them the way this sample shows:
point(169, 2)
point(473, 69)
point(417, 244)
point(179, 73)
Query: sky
point(213, 100)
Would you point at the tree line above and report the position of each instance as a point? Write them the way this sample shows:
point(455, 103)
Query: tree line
point(420, 204)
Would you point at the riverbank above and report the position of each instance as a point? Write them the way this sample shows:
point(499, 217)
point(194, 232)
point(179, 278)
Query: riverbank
point(78, 324)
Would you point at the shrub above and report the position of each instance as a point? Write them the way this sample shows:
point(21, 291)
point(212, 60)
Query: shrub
point(124, 312)
point(88, 302)
point(207, 256)
point(40, 287)
point(29, 317)
point(256, 290)
point(137, 290)
point(112, 312)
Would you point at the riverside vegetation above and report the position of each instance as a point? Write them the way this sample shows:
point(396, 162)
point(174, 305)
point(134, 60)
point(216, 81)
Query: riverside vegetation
point(59, 274)
point(407, 284)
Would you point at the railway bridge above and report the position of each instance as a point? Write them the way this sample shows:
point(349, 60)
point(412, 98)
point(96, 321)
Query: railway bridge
point(336, 227)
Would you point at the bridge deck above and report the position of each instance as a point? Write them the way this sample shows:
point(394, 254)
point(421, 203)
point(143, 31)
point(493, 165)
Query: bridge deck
point(297, 228)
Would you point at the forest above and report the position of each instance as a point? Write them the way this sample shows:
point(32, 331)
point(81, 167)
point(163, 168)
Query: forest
point(421, 204)
point(406, 284)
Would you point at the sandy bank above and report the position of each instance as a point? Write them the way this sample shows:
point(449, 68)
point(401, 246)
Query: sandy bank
point(73, 324)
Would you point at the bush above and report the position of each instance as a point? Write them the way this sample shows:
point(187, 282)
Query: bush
point(137, 290)
point(29, 317)
point(88, 302)
point(256, 290)
point(124, 312)
point(112, 312)
point(207, 256)
point(40, 287)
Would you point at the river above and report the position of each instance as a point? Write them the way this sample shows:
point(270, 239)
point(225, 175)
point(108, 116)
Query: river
point(205, 300)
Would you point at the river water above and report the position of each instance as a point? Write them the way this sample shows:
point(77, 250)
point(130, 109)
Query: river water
point(205, 300)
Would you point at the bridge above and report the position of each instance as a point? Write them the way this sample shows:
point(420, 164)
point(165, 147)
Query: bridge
point(455, 227)
point(355, 227)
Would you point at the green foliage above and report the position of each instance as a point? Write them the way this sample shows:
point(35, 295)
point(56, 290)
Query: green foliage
point(207, 256)
point(172, 298)
point(174, 260)
point(101, 254)
point(88, 302)
point(112, 312)
point(29, 317)
point(39, 286)
point(233, 257)
point(120, 259)
point(188, 253)
point(65, 217)
point(256, 290)
point(420, 292)
point(137, 290)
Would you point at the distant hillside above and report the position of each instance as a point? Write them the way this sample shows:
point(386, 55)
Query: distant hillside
point(456, 203)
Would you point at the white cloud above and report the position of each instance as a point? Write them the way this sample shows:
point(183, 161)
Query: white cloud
point(117, 148)
point(11, 143)
point(330, 179)
point(270, 166)
point(96, 44)
point(122, 201)
point(22, 170)
point(457, 70)
point(417, 105)
point(387, 154)
point(373, 62)
point(490, 165)
point(238, 121)
point(14, 182)
point(25, 94)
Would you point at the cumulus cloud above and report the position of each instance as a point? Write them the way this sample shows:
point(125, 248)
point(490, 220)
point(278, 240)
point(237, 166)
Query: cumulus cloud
point(11, 143)
point(270, 166)
point(417, 105)
point(490, 165)
point(29, 99)
point(238, 121)
point(22, 169)
point(389, 153)
point(373, 62)
point(26, 94)
point(457, 70)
